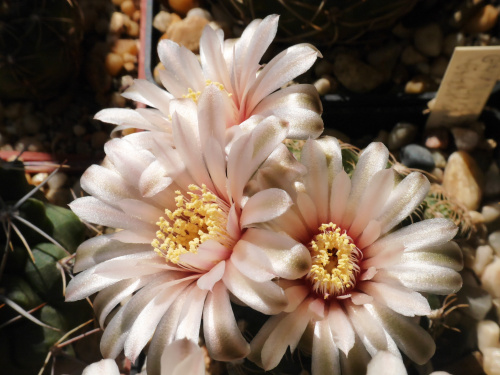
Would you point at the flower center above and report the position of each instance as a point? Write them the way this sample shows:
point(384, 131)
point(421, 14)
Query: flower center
point(195, 95)
point(335, 261)
point(198, 218)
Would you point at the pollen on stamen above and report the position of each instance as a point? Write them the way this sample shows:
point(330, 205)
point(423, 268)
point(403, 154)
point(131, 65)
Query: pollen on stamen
point(335, 262)
point(197, 218)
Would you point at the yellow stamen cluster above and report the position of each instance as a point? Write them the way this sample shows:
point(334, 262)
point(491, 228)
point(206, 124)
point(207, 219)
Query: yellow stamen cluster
point(195, 95)
point(335, 261)
point(201, 217)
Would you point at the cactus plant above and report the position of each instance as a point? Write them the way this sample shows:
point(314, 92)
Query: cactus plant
point(36, 241)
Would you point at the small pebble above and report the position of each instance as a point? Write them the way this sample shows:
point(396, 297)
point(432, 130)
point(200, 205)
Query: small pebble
point(483, 21)
point(488, 335)
point(419, 85)
point(401, 32)
point(199, 12)
point(187, 32)
point(402, 134)
point(133, 29)
point(439, 159)
point(463, 179)
point(79, 130)
point(491, 212)
point(484, 256)
point(113, 63)
point(491, 361)
point(429, 40)
point(490, 279)
point(492, 181)
point(118, 22)
point(494, 241)
point(163, 20)
point(122, 46)
point(410, 56)
point(323, 86)
point(355, 75)
point(437, 139)
point(476, 217)
point(415, 156)
point(28, 144)
point(183, 6)
point(128, 7)
point(465, 139)
point(438, 174)
point(38, 178)
point(57, 180)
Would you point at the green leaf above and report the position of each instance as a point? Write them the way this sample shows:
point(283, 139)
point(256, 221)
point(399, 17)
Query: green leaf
point(68, 229)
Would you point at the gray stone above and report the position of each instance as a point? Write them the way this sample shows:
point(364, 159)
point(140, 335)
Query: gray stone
point(415, 156)
point(465, 139)
point(402, 134)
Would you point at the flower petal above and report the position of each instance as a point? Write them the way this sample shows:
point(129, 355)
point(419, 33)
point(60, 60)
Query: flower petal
point(317, 177)
point(325, 354)
point(403, 200)
point(342, 331)
point(148, 93)
point(386, 363)
point(411, 339)
point(398, 298)
point(288, 258)
point(265, 206)
point(222, 336)
point(183, 357)
point(182, 69)
point(103, 367)
point(300, 106)
point(266, 297)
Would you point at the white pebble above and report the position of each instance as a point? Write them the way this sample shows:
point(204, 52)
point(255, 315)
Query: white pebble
point(484, 256)
point(57, 181)
point(491, 212)
point(490, 278)
point(488, 334)
point(491, 361)
point(494, 240)
point(199, 12)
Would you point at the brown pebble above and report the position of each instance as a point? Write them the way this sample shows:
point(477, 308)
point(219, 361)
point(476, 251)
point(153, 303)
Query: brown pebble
point(129, 66)
point(128, 7)
point(133, 29)
point(419, 84)
point(183, 6)
point(122, 46)
point(483, 21)
point(188, 32)
point(114, 63)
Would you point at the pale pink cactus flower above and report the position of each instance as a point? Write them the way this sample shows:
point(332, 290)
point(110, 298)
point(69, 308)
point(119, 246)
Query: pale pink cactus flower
point(234, 68)
point(182, 249)
point(364, 286)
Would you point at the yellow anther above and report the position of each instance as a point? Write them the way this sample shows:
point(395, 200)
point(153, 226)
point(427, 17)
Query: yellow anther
point(335, 261)
point(201, 217)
